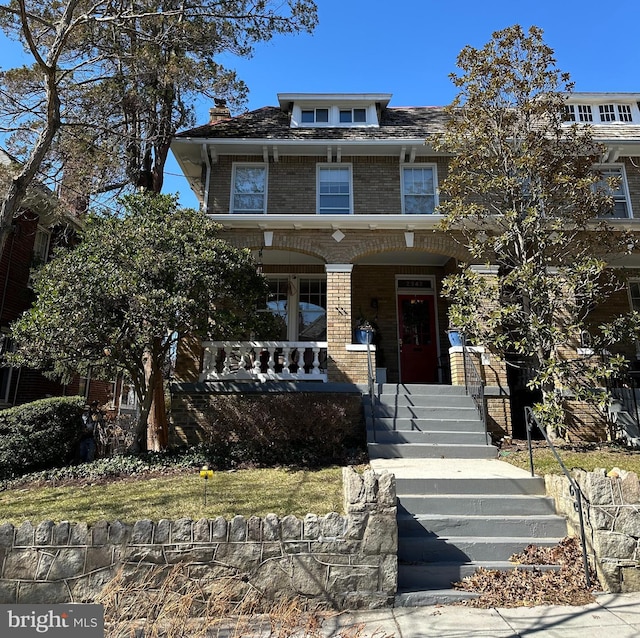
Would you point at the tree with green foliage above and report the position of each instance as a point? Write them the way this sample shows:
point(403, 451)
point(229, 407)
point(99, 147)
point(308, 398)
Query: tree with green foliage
point(524, 196)
point(123, 296)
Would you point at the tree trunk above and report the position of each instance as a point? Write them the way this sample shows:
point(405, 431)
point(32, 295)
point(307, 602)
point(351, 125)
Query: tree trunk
point(157, 426)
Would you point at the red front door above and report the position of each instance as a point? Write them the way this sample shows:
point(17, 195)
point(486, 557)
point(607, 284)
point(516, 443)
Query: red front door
point(417, 339)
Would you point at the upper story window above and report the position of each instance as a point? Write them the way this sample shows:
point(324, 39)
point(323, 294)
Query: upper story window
point(620, 194)
point(353, 115)
point(334, 189)
point(599, 113)
point(41, 246)
point(314, 116)
point(419, 189)
point(249, 189)
point(634, 295)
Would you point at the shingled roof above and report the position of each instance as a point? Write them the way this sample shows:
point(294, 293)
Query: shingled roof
point(270, 122)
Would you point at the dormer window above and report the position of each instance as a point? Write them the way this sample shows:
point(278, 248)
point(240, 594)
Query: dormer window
point(353, 115)
point(334, 110)
point(599, 113)
point(314, 116)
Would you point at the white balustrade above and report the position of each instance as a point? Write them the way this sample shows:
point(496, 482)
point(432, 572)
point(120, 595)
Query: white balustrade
point(264, 360)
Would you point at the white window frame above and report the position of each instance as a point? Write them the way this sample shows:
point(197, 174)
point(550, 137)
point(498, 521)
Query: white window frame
point(293, 298)
point(315, 120)
point(632, 305)
point(403, 193)
point(232, 206)
point(584, 112)
point(370, 113)
point(334, 166)
point(41, 244)
point(624, 112)
point(624, 186)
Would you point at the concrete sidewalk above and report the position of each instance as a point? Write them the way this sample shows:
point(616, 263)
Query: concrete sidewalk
point(612, 616)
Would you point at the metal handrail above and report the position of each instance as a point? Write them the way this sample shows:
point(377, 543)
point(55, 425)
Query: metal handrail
point(474, 386)
point(372, 393)
point(574, 488)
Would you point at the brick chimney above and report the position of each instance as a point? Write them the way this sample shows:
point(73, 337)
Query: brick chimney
point(219, 112)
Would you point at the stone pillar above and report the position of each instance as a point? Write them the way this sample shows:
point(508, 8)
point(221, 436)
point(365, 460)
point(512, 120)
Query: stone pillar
point(342, 365)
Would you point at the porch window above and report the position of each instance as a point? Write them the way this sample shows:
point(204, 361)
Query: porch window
point(300, 306)
point(249, 189)
point(419, 190)
point(334, 190)
point(312, 310)
point(621, 204)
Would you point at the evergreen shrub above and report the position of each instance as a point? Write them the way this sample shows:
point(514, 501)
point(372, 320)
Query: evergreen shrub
point(40, 435)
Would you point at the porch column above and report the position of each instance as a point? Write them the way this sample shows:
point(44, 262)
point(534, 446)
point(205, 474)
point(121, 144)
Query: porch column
point(344, 363)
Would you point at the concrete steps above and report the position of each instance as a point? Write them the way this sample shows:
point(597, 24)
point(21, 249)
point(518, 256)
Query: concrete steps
point(459, 508)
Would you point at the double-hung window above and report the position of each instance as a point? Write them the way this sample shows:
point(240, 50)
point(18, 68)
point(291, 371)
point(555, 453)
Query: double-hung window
point(419, 189)
point(620, 194)
point(334, 190)
point(249, 189)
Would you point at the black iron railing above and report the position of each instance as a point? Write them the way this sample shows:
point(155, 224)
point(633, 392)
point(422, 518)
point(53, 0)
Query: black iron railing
point(531, 422)
point(474, 386)
point(372, 390)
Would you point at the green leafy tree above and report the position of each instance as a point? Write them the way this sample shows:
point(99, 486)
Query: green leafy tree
point(523, 196)
point(135, 284)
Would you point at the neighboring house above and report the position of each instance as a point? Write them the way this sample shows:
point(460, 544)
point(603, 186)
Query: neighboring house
point(37, 229)
point(335, 194)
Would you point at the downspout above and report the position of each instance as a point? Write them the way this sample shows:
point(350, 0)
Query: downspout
point(207, 179)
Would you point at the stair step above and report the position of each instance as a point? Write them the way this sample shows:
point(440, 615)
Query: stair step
point(419, 389)
point(430, 450)
point(424, 425)
point(419, 577)
point(476, 504)
point(446, 525)
point(415, 436)
point(524, 486)
point(399, 405)
point(429, 549)
point(431, 597)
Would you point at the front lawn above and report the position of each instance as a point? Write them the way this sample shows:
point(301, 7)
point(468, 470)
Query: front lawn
point(128, 499)
point(588, 456)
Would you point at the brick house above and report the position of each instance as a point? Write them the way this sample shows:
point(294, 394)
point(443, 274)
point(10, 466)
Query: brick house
point(40, 226)
point(335, 194)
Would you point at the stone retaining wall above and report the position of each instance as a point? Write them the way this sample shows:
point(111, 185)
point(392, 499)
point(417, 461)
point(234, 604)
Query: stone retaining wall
point(612, 521)
point(346, 561)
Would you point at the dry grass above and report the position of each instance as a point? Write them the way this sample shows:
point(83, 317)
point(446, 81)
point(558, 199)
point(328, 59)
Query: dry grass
point(586, 457)
point(168, 603)
point(243, 492)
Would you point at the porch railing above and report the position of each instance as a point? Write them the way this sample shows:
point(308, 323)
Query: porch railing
point(531, 422)
point(474, 386)
point(264, 361)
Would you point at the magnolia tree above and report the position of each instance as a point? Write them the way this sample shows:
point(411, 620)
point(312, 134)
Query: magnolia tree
point(524, 195)
point(122, 297)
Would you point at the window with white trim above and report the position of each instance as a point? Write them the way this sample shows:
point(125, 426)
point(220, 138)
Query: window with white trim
point(41, 246)
point(249, 189)
point(607, 112)
point(419, 189)
point(604, 113)
point(353, 115)
point(620, 194)
point(315, 116)
point(634, 295)
point(334, 189)
point(299, 303)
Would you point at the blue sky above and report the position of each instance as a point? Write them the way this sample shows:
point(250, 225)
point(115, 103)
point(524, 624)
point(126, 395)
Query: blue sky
point(409, 47)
